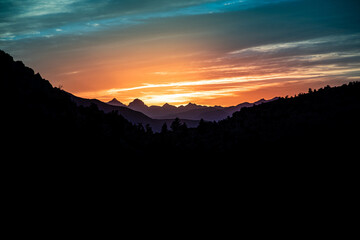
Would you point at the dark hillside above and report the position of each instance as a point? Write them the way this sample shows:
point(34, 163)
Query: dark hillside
point(327, 119)
point(40, 117)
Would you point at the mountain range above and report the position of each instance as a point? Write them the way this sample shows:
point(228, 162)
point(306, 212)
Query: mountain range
point(132, 115)
point(191, 111)
point(138, 112)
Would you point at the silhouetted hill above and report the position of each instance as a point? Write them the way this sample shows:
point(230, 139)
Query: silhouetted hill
point(39, 116)
point(320, 120)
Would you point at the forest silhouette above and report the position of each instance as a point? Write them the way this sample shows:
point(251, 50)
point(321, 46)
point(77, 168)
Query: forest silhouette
point(39, 117)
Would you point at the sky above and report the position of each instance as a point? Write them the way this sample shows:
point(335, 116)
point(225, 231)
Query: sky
point(209, 52)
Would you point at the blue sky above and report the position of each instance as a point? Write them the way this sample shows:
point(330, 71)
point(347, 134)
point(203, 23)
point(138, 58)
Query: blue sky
point(229, 50)
point(21, 11)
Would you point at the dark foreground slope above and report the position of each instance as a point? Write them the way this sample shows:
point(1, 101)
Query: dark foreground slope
point(38, 118)
point(322, 121)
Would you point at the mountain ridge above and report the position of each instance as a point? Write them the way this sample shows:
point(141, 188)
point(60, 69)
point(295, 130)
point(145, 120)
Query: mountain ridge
point(191, 111)
point(137, 112)
point(135, 117)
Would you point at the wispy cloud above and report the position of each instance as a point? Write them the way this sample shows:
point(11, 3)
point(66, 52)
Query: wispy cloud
point(199, 83)
point(45, 7)
point(108, 18)
point(189, 95)
point(299, 45)
point(316, 71)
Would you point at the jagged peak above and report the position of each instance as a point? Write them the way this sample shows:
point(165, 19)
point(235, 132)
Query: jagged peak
point(116, 102)
point(137, 103)
point(192, 104)
point(137, 100)
point(166, 105)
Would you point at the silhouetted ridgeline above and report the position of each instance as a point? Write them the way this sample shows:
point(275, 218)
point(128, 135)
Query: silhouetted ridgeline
point(324, 120)
point(38, 117)
point(42, 118)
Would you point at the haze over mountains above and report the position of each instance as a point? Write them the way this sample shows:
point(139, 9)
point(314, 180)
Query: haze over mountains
point(191, 111)
point(138, 112)
point(134, 116)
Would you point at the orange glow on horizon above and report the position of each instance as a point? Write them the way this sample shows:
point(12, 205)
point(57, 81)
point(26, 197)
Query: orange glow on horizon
point(189, 74)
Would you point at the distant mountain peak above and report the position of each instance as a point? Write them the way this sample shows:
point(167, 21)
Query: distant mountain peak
point(168, 106)
point(115, 102)
point(137, 103)
point(191, 104)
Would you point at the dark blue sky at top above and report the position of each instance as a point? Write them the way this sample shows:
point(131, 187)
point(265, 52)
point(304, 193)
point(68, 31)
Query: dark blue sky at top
point(37, 18)
point(266, 20)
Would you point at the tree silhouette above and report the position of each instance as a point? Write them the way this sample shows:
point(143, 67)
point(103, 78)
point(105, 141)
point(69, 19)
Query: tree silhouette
point(148, 129)
point(164, 128)
point(140, 127)
point(184, 127)
point(175, 125)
